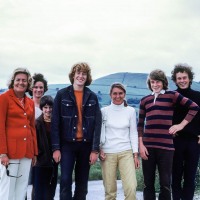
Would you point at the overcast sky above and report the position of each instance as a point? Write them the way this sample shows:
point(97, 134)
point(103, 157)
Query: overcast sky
point(49, 36)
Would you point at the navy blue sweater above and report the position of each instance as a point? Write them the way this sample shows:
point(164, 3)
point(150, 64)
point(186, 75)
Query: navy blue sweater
point(193, 128)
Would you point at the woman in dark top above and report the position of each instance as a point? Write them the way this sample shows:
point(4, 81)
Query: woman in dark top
point(46, 170)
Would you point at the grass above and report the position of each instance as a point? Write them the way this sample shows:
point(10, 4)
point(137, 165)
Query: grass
point(95, 174)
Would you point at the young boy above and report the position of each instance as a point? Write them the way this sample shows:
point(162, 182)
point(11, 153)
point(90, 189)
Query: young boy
point(76, 129)
point(45, 171)
point(156, 133)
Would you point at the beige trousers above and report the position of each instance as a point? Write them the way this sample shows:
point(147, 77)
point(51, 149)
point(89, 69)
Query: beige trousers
point(125, 163)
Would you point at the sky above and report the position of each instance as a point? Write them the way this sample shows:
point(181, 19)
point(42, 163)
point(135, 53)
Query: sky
point(49, 36)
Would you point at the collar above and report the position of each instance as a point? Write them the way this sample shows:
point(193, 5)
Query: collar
point(161, 92)
point(117, 107)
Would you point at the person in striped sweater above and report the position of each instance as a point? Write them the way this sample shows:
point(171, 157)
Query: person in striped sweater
point(156, 132)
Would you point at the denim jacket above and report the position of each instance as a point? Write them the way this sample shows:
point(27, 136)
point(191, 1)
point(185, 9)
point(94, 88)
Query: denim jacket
point(65, 118)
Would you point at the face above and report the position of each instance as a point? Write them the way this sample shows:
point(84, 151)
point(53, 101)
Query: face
point(47, 110)
point(156, 85)
point(117, 95)
point(20, 84)
point(182, 80)
point(38, 89)
point(80, 78)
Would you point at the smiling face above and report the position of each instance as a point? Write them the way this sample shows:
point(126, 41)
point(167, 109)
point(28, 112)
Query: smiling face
point(156, 85)
point(182, 80)
point(117, 96)
point(47, 111)
point(80, 78)
point(38, 89)
point(20, 84)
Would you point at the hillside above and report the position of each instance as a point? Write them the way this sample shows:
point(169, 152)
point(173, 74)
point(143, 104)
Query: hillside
point(135, 85)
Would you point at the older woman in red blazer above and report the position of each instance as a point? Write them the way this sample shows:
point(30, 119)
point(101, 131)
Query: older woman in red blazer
point(18, 143)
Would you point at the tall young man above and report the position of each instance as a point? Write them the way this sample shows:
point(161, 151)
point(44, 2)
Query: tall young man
point(156, 133)
point(187, 149)
point(75, 132)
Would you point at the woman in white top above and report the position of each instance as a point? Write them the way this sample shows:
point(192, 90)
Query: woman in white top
point(119, 145)
point(37, 91)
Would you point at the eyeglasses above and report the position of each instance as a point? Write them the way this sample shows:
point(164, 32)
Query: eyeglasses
point(8, 172)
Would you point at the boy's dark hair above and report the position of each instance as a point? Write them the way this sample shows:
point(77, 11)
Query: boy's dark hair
point(182, 68)
point(46, 100)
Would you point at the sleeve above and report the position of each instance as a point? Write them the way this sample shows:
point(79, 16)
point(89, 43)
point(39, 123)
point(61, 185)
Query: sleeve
point(4, 104)
point(133, 131)
point(56, 124)
point(141, 119)
point(97, 129)
point(192, 106)
point(33, 130)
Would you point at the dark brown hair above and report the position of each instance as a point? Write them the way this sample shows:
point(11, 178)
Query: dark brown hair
point(182, 68)
point(38, 78)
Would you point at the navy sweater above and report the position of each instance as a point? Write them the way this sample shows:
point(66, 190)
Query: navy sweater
point(193, 128)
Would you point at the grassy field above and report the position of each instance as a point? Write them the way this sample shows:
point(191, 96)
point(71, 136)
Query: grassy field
point(95, 174)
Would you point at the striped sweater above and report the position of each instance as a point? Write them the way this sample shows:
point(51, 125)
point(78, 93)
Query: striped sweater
point(155, 118)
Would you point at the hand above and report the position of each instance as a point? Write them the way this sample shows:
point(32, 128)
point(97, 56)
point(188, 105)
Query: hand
point(34, 160)
point(175, 128)
point(102, 155)
point(4, 160)
point(143, 152)
point(137, 162)
point(57, 156)
point(93, 158)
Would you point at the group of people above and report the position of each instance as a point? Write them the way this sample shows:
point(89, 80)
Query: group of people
point(38, 132)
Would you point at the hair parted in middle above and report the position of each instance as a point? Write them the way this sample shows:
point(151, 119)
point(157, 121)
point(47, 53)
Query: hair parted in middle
point(159, 75)
point(121, 87)
point(84, 67)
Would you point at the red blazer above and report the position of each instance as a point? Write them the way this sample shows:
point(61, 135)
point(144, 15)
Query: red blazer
point(17, 127)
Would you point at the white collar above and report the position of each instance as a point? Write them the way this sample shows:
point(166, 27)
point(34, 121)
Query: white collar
point(161, 92)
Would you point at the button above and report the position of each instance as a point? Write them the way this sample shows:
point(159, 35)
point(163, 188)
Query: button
point(85, 140)
point(75, 116)
point(83, 128)
point(90, 104)
point(24, 113)
point(67, 104)
point(74, 127)
point(24, 126)
point(24, 138)
point(74, 139)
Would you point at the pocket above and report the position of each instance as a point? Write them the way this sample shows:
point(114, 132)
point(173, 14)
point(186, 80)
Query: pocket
point(90, 108)
point(67, 108)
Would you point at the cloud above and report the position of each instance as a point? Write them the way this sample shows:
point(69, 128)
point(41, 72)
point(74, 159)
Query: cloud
point(112, 36)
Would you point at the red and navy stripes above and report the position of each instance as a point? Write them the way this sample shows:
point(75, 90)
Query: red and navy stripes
point(155, 118)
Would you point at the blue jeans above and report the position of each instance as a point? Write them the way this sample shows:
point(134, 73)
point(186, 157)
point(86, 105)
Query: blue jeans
point(45, 182)
point(163, 160)
point(185, 165)
point(75, 156)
